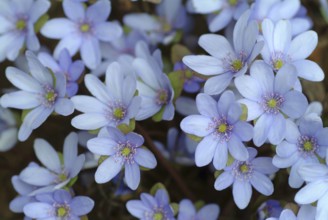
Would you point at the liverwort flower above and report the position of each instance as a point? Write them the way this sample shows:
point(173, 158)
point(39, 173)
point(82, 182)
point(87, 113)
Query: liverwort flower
point(303, 144)
point(226, 62)
point(122, 151)
point(153, 85)
point(270, 98)
point(316, 189)
point(220, 12)
point(280, 49)
point(8, 129)
point(220, 125)
point(242, 175)
point(151, 207)
point(59, 204)
point(187, 211)
point(71, 70)
point(114, 102)
point(55, 174)
point(82, 30)
point(277, 10)
point(42, 93)
point(17, 19)
point(270, 208)
point(306, 212)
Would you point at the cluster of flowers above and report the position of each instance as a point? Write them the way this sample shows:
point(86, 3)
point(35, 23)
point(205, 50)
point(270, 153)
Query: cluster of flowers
point(252, 92)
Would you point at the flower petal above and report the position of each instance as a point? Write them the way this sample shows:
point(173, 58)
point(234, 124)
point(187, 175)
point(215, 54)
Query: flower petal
point(203, 64)
point(205, 151)
point(58, 28)
point(145, 158)
point(196, 125)
point(47, 155)
point(242, 193)
point(108, 169)
point(262, 183)
point(303, 45)
point(132, 175)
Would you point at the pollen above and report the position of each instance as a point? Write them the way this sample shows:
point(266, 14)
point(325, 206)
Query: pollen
point(244, 168)
point(62, 177)
point(307, 146)
point(162, 97)
point(272, 103)
point(61, 212)
point(237, 65)
point(85, 27)
point(278, 64)
point(158, 216)
point(21, 24)
point(50, 96)
point(118, 113)
point(222, 128)
point(126, 151)
point(233, 2)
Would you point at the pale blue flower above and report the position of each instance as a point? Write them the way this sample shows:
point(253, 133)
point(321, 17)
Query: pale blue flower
point(270, 208)
point(303, 144)
point(316, 189)
point(277, 10)
point(8, 129)
point(83, 30)
point(122, 151)
point(151, 207)
point(59, 204)
point(154, 87)
point(188, 211)
point(220, 125)
point(243, 175)
point(42, 93)
point(270, 98)
point(114, 102)
point(280, 49)
point(55, 174)
point(226, 62)
point(17, 19)
point(306, 212)
point(220, 12)
point(71, 70)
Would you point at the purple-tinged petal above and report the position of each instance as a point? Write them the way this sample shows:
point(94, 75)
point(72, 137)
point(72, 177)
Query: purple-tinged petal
point(22, 80)
point(145, 71)
point(284, 162)
point(62, 196)
point(282, 35)
point(98, 12)
point(295, 180)
point(71, 42)
point(263, 74)
point(285, 79)
point(38, 8)
point(268, 33)
point(286, 149)
point(313, 172)
point(136, 208)
point(216, 45)
point(237, 149)
point(234, 113)
point(47, 155)
point(108, 169)
point(37, 116)
point(58, 28)
point(292, 132)
point(206, 105)
point(187, 209)
point(243, 130)
point(262, 183)
point(64, 106)
point(197, 125)
point(322, 137)
point(242, 193)
point(97, 88)
point(309, 70)
point(303, 45)
point(223, 181)
point(90, 52)
point(209, 212)
point(38, 210)
point(311, 192)
point(205, 150)
point(108, 31)
point(48, 61)
point(217, 84)
point(218, 22)
point(135, 138)
point(277, 129)
point(75, 70)
point(89, 121)
point(37, 176)
point(77, 166)
point(142, 22)
point(17, 204)
point(204, 64)
point(20, 186)
point(310, 125)
point(20, 100)
point(249, 87)
point(132, 175)
point(102, 146)
point(321, 210)
point(254, 110)
point(70, 149)
point(74, 10)
point(81, 205)
point(226, 99)
point(220, 156)
point(37, 70)
point(294, 105)
point(145, 158)
point(88, 104)
point(264, 165)
point(261, 129)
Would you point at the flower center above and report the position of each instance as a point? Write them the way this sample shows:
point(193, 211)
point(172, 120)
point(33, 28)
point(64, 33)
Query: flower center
point(244, 168)
point(222, 128)
point(158, 216)
point(126, 151)
point(116, 112)
point(236, 65)
point(307, 145)
point(119, 113)
point(21, 24)
point(272, 103)
point(162, 97)
point(62, 177)
point(85, 27)
point(233, 2)
point(277, 64)
point(49, 96)
point(62, 211)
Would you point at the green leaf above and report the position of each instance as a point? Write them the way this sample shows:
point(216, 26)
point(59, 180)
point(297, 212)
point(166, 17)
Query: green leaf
point(124, 128)
point(217, 173)
point(175, 207)
point(178, 51)
point(244, 113)
point(177, 37)
point(177, 80)
point(230, 160)
point(156, 187)
point(72, 182)
point(101, 159)
point(96, 131)
point(159, 115)
point(42, 20)
point(24, 113)
point(194, 137)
